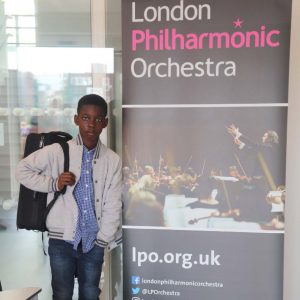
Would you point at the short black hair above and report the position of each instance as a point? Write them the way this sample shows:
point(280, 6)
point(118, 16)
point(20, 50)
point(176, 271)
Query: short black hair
point(92, 99)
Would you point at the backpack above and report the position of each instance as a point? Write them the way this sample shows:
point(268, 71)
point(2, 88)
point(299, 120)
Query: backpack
point(32, 209)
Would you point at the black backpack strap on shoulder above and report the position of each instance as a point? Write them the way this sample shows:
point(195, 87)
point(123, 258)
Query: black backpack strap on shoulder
point(65, 148)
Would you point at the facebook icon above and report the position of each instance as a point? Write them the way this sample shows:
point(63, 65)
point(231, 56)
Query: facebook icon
point(135, 280)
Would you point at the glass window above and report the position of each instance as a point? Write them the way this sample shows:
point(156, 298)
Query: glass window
point(11, 35)
point(26, 21)
point(27, 36)
point(40, 84)
point(19, 7)
point(10, 21)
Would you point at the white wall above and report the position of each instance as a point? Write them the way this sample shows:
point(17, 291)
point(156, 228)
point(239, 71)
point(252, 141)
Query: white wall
point(292, 237)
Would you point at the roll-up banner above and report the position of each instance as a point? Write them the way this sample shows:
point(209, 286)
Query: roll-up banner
point(205, 88)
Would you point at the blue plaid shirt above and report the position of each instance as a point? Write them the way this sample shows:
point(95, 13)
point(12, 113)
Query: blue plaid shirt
point(87, 226)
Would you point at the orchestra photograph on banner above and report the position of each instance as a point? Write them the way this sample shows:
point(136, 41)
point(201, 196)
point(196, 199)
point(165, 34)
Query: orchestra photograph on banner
point(189, 171)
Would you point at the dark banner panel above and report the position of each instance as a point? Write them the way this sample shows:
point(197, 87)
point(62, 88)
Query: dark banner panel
point(189, 51)
point(176, 264)
point(204, 143)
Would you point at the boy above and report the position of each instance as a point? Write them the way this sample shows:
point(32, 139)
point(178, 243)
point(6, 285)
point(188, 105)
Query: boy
point(87, 218)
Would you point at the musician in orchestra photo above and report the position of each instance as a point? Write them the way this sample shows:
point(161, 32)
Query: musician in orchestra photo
point(127, 183)
point(144, 210)
point(264, 173)
point(266, 152)
point(269, 138)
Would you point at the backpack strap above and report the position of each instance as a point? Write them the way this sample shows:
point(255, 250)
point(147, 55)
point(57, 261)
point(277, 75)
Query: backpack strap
point(65, 148)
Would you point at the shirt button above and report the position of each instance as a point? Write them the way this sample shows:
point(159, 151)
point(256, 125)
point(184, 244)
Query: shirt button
point(87, 172)
point(97, 200)
point(96, 181)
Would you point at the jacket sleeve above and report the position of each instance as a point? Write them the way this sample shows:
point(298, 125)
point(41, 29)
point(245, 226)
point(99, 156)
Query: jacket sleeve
point(111, 216)
point(35, 171)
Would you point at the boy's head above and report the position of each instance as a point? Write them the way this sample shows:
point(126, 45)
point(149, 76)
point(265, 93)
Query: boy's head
point(91, 118)
point(92, 99)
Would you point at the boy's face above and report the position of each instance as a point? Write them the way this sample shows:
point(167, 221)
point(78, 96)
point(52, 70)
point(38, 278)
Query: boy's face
point(91, 121)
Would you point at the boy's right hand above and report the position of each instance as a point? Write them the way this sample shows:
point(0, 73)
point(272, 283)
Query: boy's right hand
point(66, 178)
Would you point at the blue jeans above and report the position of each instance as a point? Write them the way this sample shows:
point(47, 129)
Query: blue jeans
point(66, 262)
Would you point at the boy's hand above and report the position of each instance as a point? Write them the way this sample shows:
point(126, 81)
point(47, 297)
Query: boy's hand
point(66, 178)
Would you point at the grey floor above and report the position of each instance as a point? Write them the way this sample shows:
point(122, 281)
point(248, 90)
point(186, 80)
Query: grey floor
point(22, 261)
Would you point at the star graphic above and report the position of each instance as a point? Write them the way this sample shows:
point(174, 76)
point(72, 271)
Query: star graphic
point(237, 23)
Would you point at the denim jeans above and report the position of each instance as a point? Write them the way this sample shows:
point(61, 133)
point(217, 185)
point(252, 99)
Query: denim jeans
point(66, 262)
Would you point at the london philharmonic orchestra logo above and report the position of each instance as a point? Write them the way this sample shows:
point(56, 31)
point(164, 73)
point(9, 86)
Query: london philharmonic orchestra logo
point(170, 38)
